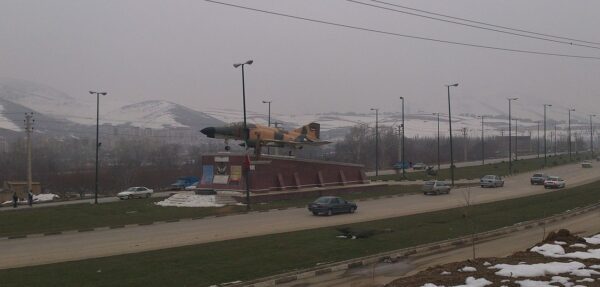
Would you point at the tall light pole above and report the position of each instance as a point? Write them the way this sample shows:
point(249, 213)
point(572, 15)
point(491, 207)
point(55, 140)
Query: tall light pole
point(516, 140)
point(592, 136)
point(376, 141)
point(268, 122)
point(246, 133)
point(97, 142)
point(450, 123)
point(538, 139)
point(569, 131)
point(545, 150)
point(403, 158)
point(510, 136)
point(482, 142)
point(438, 140)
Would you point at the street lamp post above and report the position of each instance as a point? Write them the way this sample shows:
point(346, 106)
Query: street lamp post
point(516, 140)
point(569, 131)
point(97, 142)
point(246, 133)
point(376, 141)
point(482, 142)
point(402, 157)
point(450, 124)
point(545, 150)
point(510, 135)
point(438, 140)
point(592, 136)
point(268, 122)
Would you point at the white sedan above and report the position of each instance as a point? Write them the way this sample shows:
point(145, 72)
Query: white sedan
point(137, 191)
point(554, 182)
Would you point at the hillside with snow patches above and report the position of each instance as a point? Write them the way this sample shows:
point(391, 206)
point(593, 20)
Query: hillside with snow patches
point(54, 106)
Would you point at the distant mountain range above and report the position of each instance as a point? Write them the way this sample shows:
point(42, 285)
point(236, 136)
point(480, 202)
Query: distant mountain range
point(59, 114)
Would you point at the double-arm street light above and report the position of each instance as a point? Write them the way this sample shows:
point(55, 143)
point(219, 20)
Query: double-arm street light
point(450, 123)
point(569, 131)
point(592, 136)
point(510, 135)
point(545, 150)
point(97, 142)
point(402, 159)
point(246, 133)
point(376, 140)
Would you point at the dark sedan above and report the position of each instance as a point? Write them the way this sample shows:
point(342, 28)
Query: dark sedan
point(329, 205)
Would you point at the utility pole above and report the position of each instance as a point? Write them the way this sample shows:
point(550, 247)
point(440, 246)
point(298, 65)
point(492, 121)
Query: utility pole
point(28, 130)
point(569, 135)
point(465, 147)
point(246, 131)
point(376, 140)
point(545, 142)
point(438, 140)
point(592, 136)
point(555, 136)
point(403, 157)
point(450, 128)
point(97, 139)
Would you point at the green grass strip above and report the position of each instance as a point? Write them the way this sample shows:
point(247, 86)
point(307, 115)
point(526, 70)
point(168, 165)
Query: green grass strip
point(255, 257)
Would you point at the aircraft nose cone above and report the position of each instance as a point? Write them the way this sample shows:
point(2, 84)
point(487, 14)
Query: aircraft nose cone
point(209, 132)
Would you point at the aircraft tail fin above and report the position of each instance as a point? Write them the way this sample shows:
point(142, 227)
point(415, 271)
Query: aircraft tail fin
point(312, 130)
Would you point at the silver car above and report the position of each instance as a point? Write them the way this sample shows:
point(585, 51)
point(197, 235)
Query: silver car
point(491, 181)
point(136, 191)
point(436, 187)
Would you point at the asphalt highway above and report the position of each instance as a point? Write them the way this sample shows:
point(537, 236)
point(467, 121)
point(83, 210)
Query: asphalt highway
point(81, 245)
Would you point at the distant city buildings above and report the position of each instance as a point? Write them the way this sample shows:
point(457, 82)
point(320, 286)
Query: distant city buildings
point(3, 145)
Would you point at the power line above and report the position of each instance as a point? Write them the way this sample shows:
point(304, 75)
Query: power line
point(484, 23)
point(473, 26)
point(404, 35)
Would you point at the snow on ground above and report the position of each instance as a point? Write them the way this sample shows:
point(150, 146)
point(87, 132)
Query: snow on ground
point(5, 123)
point(45, 197)
point(469, 282)
point(556, 251)
point(593, 240)
point(578, 245)
point(189, 199)
point(537, 270)
point(468, 269)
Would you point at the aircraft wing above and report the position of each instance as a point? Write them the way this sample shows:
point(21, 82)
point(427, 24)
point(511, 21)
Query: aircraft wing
point(295, 143)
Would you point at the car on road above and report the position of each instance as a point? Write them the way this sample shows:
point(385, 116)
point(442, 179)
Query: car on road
point(554, 182)
point(436, 187)
point(184, 182)
point(586, 164)
point(491, 181)
point(419, 166)
point(329, 205)
point(400, 165)
point(136, 191)
point(538, 178)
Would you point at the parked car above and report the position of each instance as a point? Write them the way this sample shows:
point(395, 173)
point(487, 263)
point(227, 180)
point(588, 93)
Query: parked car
point(538, 178)
point(184, 182)
point(136, 191)
point(400, 165)
point(491, 181)
point(419, 166)
point(436, 187)
point(586, 164)
point(329, 205)
point(554, 182)
point(193, 186)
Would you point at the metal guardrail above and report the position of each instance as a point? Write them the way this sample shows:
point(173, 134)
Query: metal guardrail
point(392, 256)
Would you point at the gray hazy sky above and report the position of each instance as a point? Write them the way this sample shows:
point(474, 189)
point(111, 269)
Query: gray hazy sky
point(183, 51)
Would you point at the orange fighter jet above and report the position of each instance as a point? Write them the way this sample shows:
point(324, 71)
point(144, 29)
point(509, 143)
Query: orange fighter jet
point(257, 135)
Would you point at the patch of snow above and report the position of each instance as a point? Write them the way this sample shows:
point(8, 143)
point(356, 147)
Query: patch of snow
point(468, 269)
point(431, 285)
point(472, 282)
point(486, 263)
point(536, 270)
point(562, 280)
point(445, 273)
point(586, 280)
point(595, 266)
point(534, 283)
point(5, 123)
point(189, 199)
point(42, 197)
point(585, 272)
point(593, 240)
point(560, 242)
point(578, 245)
point(556, 251)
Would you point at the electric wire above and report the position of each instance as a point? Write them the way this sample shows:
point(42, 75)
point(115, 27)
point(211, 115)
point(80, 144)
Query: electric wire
point(474, 26)
point(533, 52)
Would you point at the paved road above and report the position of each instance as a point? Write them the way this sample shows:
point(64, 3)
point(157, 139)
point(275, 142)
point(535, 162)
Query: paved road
point(383, 273)
point(74, 246)
point(459, 164)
